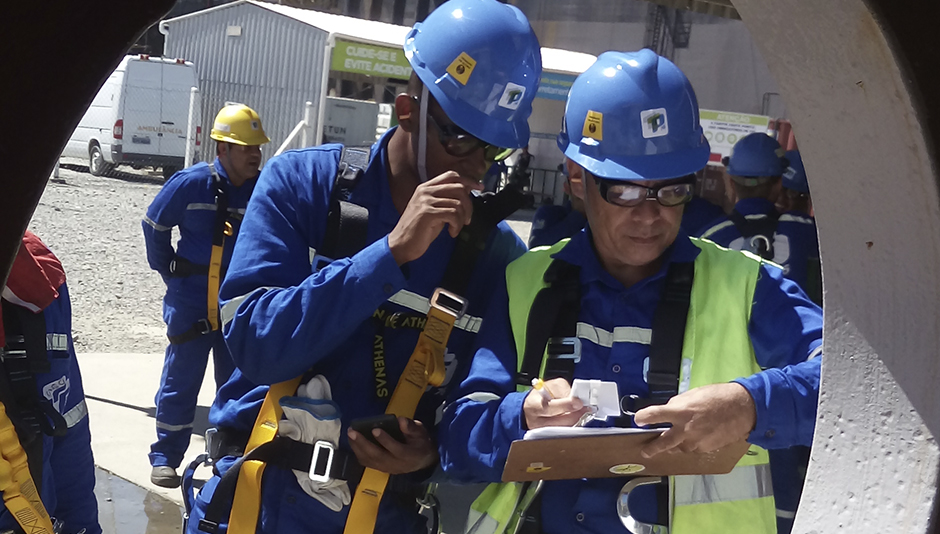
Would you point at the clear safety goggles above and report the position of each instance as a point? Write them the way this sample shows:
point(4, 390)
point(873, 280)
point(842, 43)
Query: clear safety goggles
point(459, 143)
point(630, 195)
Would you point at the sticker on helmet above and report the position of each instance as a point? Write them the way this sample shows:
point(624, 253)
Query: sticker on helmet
point(254, 125)
point(594, 125)
point(222, 127)
point(512, 96)
point(462, 67)
point(655, 123)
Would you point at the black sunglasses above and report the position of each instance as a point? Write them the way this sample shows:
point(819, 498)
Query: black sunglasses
point(629, 195)
point(459, 143)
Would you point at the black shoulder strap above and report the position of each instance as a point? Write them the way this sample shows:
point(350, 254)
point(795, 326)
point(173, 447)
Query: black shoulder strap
point(488, 211)
point(553, 324)
point(762, 228)
point(669, 323)
point(221, 208)
point(21, 359)
point(347, 223)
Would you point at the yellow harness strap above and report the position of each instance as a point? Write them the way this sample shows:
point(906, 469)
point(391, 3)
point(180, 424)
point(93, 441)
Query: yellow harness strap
point(19, 491)
point(426, 366)
point(247, 502)
point(215, 277)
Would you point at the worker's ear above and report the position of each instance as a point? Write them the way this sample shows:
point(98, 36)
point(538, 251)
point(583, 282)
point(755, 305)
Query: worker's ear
point(575, 179)
point(406, 112)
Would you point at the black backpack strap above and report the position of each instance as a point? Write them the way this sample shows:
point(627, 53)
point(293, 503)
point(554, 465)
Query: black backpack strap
point(762, 229)
point(553, 326)
point(347, 224)
point(21, 359)
point(668, 335)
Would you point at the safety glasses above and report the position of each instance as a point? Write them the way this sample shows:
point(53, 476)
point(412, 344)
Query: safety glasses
point(629, 195)
point(458, 143)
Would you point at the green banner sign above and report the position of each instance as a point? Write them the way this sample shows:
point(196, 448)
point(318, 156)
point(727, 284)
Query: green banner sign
point(369, 59)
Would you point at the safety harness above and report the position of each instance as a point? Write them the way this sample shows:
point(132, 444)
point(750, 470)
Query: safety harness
point(181, 267)
point(25, 417)
point(552, 349)
point(760, 231)
point(346, 235)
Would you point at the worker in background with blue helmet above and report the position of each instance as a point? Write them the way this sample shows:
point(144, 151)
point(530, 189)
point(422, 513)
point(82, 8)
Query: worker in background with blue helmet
point(348, 325)
point(795, 196)
point(756, 166)
point(632, 281)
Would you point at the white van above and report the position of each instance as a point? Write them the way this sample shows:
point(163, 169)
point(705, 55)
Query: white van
point(139, 117)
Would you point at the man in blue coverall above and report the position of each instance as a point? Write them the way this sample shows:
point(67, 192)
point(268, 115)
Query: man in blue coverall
point(355, 321)
point(756, 167)
point(631, 132)
point(37, 286)
point(190, 201)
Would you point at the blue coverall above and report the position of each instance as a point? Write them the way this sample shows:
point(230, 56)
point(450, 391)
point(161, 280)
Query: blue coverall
point(697, 214)
point(187, 201)
point(68, 471)
point(795, 241)
point(474, 436)
point(283, 319)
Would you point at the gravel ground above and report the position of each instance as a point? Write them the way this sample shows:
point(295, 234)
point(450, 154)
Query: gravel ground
point(93, 225)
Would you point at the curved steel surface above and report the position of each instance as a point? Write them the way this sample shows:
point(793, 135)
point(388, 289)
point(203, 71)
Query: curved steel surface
point(852, 75)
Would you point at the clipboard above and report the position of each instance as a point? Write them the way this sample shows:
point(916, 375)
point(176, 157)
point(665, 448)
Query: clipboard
point(608, 456)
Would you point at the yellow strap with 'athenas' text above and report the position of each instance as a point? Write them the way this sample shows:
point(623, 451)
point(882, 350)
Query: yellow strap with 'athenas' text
point(19, 491)
point(425, 367)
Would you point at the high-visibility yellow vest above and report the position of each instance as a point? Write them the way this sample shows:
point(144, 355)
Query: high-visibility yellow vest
point(716, 349)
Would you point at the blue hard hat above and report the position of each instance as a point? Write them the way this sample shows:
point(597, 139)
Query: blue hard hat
point(756, 154)
point(633, 116)
point(795, 176)
point(482, 62)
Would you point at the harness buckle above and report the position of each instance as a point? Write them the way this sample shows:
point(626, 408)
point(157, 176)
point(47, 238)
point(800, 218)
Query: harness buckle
point(564, 348)
point(173, 266)
point(321, 464)
point(203, 326)
point(448, 302)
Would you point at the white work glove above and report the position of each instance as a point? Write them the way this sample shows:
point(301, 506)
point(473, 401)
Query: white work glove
point(312, 416)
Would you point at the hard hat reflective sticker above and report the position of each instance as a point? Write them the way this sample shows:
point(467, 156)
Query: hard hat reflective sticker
point(654, 122)
point(512, 96)
point(594, 125)
point(537, 467)
point(222, 127)
point(626, 469)
point(254, 125)
point(462, 67)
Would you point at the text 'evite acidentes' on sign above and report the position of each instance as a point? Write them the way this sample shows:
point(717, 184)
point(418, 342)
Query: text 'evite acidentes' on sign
point(370, 59)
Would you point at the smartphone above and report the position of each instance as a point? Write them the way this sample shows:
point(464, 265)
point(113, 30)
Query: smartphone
point(386, 422)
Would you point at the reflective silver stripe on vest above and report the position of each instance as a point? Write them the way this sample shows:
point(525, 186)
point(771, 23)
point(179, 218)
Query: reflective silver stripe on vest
point(421, 304)
point(230, 308)
point(76, 414)
point(155, 226)
point(212, 207)
point(621, 334)
point(57, 342)
point(742, 483)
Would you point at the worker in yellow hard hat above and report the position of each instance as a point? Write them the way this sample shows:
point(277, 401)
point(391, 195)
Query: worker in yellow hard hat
point(206, 201)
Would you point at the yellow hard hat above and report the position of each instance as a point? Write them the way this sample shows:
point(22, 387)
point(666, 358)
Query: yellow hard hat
point(240, 125)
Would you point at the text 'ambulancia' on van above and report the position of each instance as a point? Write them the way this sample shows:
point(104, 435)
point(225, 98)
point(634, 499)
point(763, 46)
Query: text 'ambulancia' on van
point(139, 117)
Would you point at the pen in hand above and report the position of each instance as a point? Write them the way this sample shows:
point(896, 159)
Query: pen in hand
point(539, 385)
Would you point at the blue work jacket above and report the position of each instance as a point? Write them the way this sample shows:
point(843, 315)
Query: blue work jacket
point(68, 471)
point(187, 201)
point(795, 241)
point(474, 437)
point(551, 224)
point(284, 318)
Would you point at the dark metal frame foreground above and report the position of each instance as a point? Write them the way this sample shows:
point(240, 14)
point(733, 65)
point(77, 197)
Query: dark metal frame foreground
point(859, 79)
